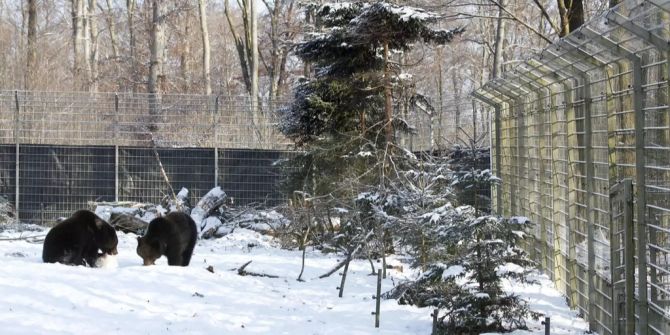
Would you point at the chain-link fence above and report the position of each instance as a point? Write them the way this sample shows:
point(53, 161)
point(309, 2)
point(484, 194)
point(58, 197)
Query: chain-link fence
point(571, 125)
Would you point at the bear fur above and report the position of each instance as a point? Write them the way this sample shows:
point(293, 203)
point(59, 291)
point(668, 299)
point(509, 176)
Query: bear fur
point(173, 235)
point(77, 240)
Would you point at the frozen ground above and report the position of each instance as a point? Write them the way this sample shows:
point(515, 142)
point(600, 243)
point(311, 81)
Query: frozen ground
point(37, 298)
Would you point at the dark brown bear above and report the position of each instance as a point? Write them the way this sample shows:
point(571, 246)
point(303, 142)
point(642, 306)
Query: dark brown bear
point(78, 240)
point(173, 235)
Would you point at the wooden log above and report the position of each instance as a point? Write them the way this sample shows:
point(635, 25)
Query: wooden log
point(128, 223)
point(211, 202)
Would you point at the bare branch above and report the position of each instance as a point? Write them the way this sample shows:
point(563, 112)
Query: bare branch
point(516, 18)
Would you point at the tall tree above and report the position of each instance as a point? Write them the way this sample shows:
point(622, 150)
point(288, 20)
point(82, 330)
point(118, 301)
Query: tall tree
point(78, 34)
point(131, 6)
point(244, 41)
point(93, 49)
point(156, 46)
point(498, 43)
point(202, 6)
point(31, 56)
point(571, 13)
point(253, 16)
point(111, 28)
point(281, 15)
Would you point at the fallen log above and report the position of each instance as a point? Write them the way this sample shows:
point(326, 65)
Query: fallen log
point(128, 223)
point(211, 202)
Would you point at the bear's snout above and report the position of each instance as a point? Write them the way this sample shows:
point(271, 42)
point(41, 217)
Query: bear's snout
point(114, 251)
point(148, 262)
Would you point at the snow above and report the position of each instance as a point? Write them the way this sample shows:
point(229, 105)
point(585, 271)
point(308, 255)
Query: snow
point(104, 212)
point(125, 297)
point(183, 193)
point(519, 220)
point(544, 298)
point(509, 267)
point(210, 223)
point(453, 271)
point(407, 13)
point(107, 261)
point(216, 192)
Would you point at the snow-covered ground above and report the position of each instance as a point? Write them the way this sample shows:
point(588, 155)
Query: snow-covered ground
point(128, 298)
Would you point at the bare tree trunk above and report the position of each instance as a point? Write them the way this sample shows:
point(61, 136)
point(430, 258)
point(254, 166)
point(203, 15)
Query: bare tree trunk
point(253, 15)
point(77, 39)
point(306, 67)
point(388, 96)
point(440, 94)
point(571, 14)
point(156, 46)
point(500, 39)
point(31, 57)
point(86, 43)
point(281, 81)
point(184, 62)
point(241, 44)
point(205, 46)
point(93, 55)
point(111, 25)
point(457, 94)
point(134, 74)
point(277, 65)
point(576, 15)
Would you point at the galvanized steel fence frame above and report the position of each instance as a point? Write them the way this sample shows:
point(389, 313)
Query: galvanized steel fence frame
point(61, 150)
point(588, 112)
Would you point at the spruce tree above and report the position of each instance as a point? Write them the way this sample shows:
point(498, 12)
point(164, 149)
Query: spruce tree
point(489, 253)
point(341, 110)
point(352, 72)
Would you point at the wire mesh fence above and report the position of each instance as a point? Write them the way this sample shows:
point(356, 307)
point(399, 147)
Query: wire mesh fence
point(59, 151)
point(570, 124)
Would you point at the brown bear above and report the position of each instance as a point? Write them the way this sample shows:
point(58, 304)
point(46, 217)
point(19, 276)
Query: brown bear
point(78, 240)
point(173, 235)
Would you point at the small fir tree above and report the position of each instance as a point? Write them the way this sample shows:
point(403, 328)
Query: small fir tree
point(489, 253)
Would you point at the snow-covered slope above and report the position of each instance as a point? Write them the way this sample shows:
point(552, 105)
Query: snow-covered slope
point(128, 298)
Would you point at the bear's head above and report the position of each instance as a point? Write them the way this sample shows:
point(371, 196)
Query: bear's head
point(149, 249)
point(105, 236)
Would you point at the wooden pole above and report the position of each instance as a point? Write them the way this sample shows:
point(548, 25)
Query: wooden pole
point(344, 277)
point(378, 297)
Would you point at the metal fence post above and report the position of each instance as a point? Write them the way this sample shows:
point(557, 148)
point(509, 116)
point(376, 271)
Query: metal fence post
point(590, 189)
point(498, 171)
point(17, 127)
point(216, 141)
point(640, 173)
point(378, 297)
point(116, 147)
point(498, 164)
point(571, 206)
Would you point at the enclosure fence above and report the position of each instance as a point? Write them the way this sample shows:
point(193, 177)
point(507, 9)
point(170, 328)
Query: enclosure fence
point(60, 151)
point(581, 140)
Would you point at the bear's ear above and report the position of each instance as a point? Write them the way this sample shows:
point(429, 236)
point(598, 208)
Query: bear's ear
point(99, 223)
